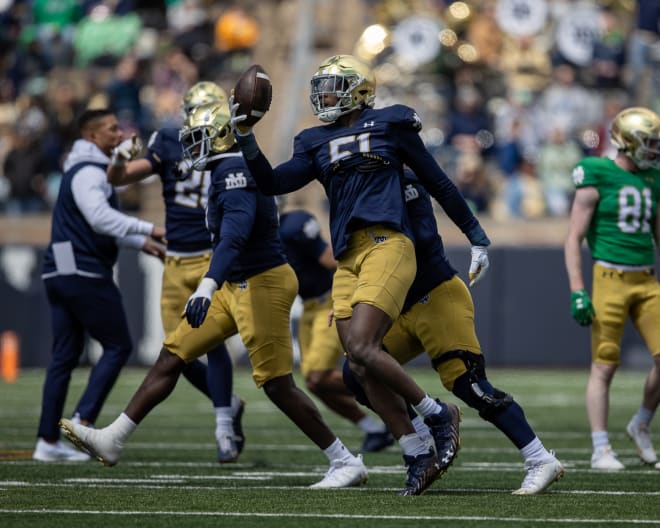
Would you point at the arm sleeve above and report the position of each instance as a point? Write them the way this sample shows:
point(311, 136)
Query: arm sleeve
point(285, 178)
point(240, 209)
point(87, 187)
point(438, 184)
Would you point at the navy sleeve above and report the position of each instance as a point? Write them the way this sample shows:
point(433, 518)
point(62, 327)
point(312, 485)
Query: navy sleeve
point(435, 181)
point(239, 212)
point(285, 178)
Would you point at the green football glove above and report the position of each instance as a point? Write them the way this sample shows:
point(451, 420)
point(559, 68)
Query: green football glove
point(582, 308)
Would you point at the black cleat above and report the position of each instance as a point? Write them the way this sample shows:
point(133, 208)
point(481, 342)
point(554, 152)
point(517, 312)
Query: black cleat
point(423, 470)
point(374, 442)
point(237, 424)
point(444, 429)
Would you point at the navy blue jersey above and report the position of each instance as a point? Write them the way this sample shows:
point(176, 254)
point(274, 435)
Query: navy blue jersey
point(75, 248)
point(185, 199)
point(433, 267)
point(301, 235)
point(361, 169)
point(243, 223)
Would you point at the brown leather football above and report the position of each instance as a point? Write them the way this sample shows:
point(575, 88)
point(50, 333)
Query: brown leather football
point(253, 92)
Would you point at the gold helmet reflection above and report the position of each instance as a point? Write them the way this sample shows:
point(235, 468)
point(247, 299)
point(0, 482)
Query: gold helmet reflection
point(347, 78)
point(201, 93)
point(635, 131)
point(206, 133)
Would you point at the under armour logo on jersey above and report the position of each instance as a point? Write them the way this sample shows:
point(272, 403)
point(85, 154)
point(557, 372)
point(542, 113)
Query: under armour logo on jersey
point(410, 193)
point(235, 181)
point(368, 124)
point(242, 285)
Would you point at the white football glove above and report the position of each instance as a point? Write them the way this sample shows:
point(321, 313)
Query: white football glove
point(126, 151)
point(478, 265)
point(236, 120)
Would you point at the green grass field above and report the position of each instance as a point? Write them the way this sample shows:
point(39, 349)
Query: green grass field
point(168, 475)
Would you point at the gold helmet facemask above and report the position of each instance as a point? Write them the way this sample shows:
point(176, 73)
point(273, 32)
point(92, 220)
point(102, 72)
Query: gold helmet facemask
point(343, 76)
point(636, 132)
point(206, 134)
point(201, 93)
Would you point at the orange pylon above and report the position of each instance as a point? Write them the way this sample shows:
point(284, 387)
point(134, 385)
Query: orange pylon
point(9, 356)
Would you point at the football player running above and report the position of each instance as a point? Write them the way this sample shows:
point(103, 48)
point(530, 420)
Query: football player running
point(311, 258)
point(616, 210)
point(249, 289)
point(185, 193)
point(438, 317)
point(358, 157)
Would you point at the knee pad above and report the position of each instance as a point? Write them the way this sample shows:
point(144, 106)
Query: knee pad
point(474, 388)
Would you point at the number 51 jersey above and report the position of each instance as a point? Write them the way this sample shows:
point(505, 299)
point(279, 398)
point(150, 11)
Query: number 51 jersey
point(621, 230)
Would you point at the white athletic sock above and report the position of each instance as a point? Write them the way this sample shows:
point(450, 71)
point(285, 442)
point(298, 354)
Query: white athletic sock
point(223, 420)
point(122, 428)
point(338, 451)
point(642, 416)
point(599, 439)
point(535, 451)
point(370, 425)
point(428, 406)
point(412, 445)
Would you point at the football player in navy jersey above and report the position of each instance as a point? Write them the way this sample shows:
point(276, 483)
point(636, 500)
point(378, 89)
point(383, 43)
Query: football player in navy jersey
point(358, 157)
point(311, 258)
point(86, 231)
point(249, 289)
point(185, 192)
point(438, 317)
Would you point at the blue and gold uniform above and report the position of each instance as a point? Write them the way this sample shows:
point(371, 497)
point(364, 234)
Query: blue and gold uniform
point(320, 347)
point(257, 285)
point(438, 315)
point(188, 239)
point(360, 167)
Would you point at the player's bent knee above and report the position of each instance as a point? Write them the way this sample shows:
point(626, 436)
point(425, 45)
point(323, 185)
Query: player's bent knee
point(353, 384)
point(278, 388)
point(473, 387)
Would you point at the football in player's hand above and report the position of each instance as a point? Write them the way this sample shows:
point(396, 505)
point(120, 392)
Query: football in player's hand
point(253, 93)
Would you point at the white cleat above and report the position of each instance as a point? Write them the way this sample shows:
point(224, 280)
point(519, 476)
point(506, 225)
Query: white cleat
point(605, 459)
point(57, 452)
point(95, 442)
point(642, 438)
point(539, 477)
point(343, 474)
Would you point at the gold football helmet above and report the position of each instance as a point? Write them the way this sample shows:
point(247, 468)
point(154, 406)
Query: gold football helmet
point(201, 93)
point(206, 133)
point(349, 80)
point(636, 132)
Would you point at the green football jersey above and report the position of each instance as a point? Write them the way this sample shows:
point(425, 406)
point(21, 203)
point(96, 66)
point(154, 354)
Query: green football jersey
point(621, 229)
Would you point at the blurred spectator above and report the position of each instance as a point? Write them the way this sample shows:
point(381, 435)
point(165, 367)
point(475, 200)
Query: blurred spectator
point(557, 158)
point(25, 169)
point(485, 34)
point(532, 201)
point(609, 52)
point(102, 37)
point(124, 96)
point(473, 182)
point(526, 64)
point(566, 103)
point(644, 54)
point(469, 126)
